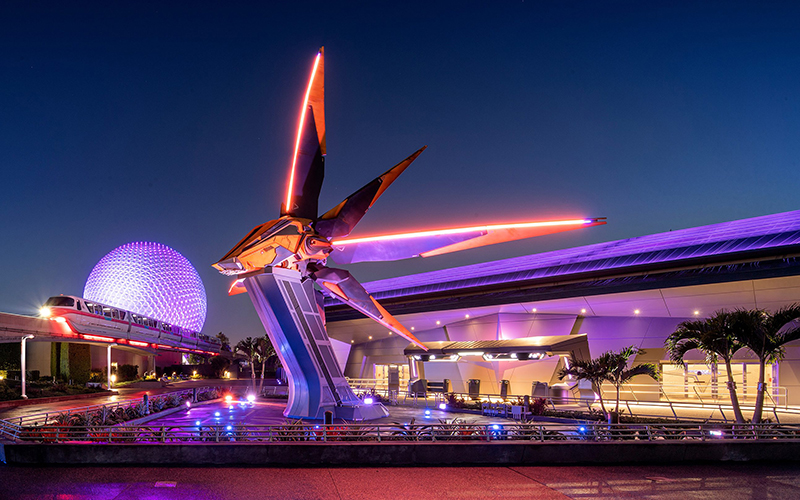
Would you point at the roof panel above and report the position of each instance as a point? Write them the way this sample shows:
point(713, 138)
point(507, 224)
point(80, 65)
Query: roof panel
point(765, 232)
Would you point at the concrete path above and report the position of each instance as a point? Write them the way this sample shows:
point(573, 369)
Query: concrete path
point(711, 482)
point(122, 394)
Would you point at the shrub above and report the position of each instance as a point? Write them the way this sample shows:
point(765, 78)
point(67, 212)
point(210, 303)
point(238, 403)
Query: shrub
point(127, 372)
point(80, 359)
point(219, 364)
point(538, 406)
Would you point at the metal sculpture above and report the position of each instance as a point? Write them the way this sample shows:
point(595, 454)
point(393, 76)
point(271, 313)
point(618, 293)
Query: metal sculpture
point(279, 262)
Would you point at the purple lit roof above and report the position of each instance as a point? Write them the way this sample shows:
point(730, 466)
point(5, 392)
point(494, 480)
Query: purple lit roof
point(757, 233)
point(150, 279)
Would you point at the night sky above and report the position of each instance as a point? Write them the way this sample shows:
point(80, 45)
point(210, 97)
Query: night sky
point(174, 122)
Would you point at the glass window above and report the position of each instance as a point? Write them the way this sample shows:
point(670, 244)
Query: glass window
point(60, 302)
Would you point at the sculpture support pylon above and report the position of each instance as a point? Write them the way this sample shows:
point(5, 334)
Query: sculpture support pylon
point(288, 308)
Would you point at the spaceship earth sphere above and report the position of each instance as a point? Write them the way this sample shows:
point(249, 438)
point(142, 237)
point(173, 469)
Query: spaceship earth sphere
point(150, 279)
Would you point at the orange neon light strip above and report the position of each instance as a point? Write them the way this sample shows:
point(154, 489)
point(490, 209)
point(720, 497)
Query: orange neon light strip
point(300, 132)
point(98, 338)
point(137, 343)
point(441, 232)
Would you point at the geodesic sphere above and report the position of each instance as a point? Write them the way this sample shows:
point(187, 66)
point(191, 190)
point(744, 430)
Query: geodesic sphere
point(150, 279)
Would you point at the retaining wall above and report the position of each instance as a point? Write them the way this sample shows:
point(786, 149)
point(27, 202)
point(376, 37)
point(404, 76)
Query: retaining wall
point(374, 454)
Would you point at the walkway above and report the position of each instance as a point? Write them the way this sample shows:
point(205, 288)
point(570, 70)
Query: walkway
point(711, 482)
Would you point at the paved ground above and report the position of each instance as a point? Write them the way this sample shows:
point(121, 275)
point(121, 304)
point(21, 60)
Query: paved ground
point(399, 414)
point(266, 412)
point(724, 482)
point(124, 393)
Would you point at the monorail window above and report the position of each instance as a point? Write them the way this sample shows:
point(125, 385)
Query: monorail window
point(60, 302)
point(78, 305)
point(107, 312)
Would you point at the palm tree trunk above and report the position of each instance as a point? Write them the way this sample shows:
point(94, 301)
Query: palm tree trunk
point(253, 372)
point(261, 384)
point(737, 411)
point(596, 389)
point(616, 410)
point(760, 393)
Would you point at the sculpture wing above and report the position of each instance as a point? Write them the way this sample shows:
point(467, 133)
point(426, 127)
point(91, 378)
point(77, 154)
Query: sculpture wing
point(339, 221)
point(308, 161)
point(345, 287)
point(442, 241)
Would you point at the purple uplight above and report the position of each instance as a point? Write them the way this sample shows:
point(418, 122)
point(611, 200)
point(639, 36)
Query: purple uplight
point(150, 279)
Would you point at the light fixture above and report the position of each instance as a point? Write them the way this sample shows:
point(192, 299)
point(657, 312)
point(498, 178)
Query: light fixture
point(583, 311)
point(370, 337)
point(438, 322)
point(636, 311)
point(352, 341)
point(412, 327)
point(696, 313)
point(466, 316)
point(534, 309)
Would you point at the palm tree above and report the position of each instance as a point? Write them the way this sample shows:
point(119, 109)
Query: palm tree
point(610, 367)
point(224, 341)
point(264, 351)
point(618, 372)
point(765, 334)
point(248, 347)
point(591, 370)
point(716, 337)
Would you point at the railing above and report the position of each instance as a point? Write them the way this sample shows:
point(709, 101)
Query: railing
point(435, 433)
point(777, 396)
point(44, 417)
point(631, 396)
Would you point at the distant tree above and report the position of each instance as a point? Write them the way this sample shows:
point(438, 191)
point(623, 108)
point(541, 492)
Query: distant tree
point(224, 341)
point(249, 347)
point(264, 350)
point(610, 367)
point(591, 370)
point(196, 359)
point(716, 337)
point(219, 364)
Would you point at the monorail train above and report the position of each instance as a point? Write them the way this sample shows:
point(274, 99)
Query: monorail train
point(104, 323)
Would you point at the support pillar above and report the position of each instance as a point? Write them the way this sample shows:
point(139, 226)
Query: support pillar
point(109, 384)
point(23, 363)
point(287, 306)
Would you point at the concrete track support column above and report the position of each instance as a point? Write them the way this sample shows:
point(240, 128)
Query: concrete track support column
point(23, 363)
point(109, 383)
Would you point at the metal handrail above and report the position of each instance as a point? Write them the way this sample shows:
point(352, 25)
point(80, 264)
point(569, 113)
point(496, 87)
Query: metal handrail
point(434, 433)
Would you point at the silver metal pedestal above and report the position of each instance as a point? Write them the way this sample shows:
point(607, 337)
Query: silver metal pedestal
point(292, 314)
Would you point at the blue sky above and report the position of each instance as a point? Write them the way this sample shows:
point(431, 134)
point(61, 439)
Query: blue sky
point(174, 122)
